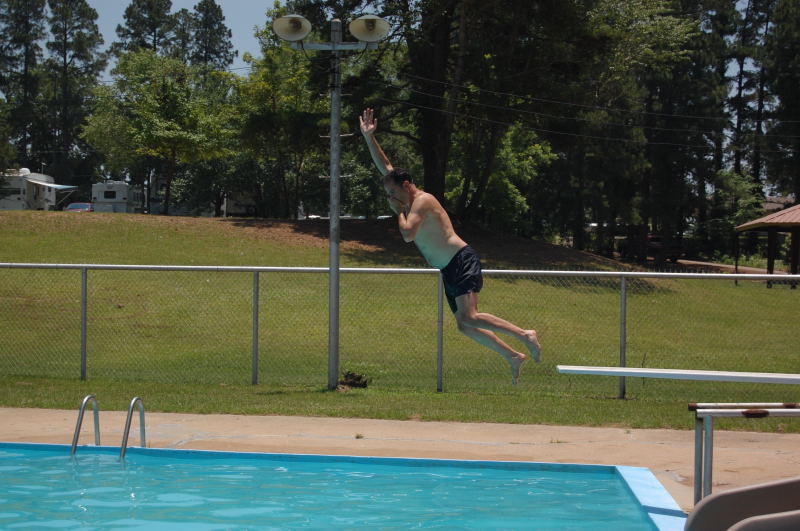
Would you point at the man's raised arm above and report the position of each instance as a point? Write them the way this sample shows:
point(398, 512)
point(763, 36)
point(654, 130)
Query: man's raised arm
point(369, 125)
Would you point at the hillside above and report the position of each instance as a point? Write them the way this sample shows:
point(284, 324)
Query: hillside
point(380, 241)
point(139, 239)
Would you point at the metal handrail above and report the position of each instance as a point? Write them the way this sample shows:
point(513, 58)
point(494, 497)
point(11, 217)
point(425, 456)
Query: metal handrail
point(96, 408)
point(383, 270)
point(124, 445)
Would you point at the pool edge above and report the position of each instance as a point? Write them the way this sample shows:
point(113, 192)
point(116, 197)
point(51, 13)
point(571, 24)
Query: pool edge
point(659, 505)
point(662, 510)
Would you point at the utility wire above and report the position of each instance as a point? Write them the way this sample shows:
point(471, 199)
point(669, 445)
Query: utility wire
point(574, 118)
point(563, 133)
point(540, 129)
point(570, 104)
point(548, 115)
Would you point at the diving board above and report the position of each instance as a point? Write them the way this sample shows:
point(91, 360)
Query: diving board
point(683, 374)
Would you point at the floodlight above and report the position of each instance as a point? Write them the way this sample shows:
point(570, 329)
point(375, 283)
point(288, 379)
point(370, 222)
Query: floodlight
point(369, 28)
point(292, 27)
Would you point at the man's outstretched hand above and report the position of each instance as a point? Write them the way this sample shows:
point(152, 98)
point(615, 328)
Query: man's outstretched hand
point(368, 122)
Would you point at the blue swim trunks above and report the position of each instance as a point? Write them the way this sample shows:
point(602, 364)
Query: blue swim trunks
point(462, 275)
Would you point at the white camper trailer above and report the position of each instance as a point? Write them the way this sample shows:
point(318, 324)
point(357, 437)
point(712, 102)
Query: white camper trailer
point(113, 196)
point(24, 190)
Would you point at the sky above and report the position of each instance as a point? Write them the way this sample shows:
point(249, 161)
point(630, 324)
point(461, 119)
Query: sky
point(241, 17)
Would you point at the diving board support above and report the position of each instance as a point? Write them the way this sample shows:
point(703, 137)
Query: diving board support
point(705, 412)
point(704, 433)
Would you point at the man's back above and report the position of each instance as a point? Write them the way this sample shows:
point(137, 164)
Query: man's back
point(436, 239)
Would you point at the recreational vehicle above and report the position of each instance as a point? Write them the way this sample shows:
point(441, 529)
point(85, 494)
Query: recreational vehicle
point(114, 196)
point(24, 190)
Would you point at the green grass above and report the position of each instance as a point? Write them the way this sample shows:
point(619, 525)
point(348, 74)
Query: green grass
point(100, 238)
point(182, 340)
point(756, 261)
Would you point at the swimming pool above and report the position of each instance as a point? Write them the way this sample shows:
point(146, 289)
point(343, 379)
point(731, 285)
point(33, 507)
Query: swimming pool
point(41, 485)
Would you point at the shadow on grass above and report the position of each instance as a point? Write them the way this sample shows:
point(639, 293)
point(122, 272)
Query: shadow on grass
point(373, 242)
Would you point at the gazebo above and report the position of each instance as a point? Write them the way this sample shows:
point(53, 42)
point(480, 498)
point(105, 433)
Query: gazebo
point(787, 220)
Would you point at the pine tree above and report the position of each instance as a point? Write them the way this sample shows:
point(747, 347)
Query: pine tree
point(22, 29)
point(783, 79)
point(148, 25)
point(183, 41)
point(212, 45)
point(72, 69)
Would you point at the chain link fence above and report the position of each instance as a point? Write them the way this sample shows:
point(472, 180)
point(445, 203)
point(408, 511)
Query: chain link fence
point(269, 326)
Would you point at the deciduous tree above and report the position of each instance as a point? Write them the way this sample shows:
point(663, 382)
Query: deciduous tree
point(157, 108)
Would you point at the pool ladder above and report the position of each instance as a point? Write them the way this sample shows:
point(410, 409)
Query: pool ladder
point(124, 445)
point(96, 408)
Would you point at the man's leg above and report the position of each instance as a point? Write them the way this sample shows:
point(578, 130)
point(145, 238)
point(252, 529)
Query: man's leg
point(478, 327)
point(489, 339)
point(468, 316)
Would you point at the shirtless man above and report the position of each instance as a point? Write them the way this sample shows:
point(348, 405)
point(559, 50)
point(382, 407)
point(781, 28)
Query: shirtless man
point(422, 220)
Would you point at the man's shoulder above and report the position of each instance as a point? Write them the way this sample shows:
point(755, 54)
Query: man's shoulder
point(428, 199)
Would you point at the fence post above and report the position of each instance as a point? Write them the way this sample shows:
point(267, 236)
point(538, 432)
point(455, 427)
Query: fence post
point(623, 332)
point(439, 334)
point(255, 327)
point(84, 303)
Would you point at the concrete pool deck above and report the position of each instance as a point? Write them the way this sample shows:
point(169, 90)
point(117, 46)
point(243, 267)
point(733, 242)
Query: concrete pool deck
point(740, 458)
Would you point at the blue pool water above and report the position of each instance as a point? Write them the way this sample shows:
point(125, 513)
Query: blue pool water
point(42, 486)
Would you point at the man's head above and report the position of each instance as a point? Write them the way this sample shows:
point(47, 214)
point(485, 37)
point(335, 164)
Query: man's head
point(398, 185)
point(398, 175)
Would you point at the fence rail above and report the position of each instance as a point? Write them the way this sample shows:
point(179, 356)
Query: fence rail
point(185, 317)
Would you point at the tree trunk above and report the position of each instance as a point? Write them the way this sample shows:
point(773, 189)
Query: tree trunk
point(740, 107)
point(759, 130)
point(469, 173)
point(488, 168)
point(171, 164)
point(429, 60)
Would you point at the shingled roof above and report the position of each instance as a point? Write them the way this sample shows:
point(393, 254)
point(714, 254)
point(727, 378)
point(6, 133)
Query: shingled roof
point(786, 218)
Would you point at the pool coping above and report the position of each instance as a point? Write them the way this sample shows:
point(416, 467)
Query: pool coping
point(659, 506)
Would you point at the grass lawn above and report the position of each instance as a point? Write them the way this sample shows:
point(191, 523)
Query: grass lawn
point(182, 340)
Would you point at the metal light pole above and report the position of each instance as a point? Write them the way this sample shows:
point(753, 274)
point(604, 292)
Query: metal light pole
point(368, 30)
point(333, 260)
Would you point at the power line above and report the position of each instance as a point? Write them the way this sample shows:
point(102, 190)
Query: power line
point(552, 116)
point(542, 130)
point(563, 133)
point(559, 117)
point(570, 104)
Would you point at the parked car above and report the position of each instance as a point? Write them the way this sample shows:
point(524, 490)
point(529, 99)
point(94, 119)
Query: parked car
point(80, 207)
point(662, 250)
point(651, 245)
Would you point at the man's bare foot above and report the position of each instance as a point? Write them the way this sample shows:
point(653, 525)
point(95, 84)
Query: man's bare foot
point(516, 366)
point(532, 342)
